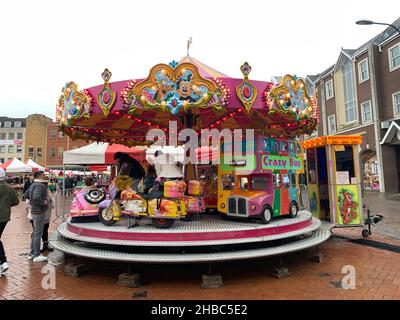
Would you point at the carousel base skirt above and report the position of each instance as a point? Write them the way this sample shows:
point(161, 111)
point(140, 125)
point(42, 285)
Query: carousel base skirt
point(206, 239)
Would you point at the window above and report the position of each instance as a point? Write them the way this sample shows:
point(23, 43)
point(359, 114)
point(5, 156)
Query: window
point(228, 182)
point(331, 124)
point(1, 160)
point(366, 112)
point(60, 152)
point(7, 124)
point(310, 90)
point(10, 149)
point(394, 57)
point(244, 183)
point(2, 149)
point(285, 180)
point(53, 134)
point(293, 180)
point(2, 136)
point(39, 152)
point(396, 103)
point(349, 94)
point(11, 136)
point(363, 72)
point(260, 182)
point(329, 89)
point(19, 135)
point(284, 147)
point(277, 180)
point(311, 166)
point(19, 149)
point(31, 152)
point(52, 152)
point(17, 124)
point(60, 134)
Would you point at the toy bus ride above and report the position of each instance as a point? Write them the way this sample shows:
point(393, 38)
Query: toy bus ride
point(261, 182)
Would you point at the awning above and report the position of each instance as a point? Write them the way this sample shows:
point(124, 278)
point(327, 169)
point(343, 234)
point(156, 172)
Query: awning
point(35, 166)
point(101, 154)
point(15, 166)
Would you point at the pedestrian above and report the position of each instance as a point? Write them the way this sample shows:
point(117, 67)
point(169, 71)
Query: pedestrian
point(27, 184)
point(37, 194)
point(45, 236)
point(8, 199)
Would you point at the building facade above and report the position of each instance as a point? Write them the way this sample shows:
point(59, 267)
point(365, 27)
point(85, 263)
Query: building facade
point(57, 143)
point(36, 138)
point(12, 138)
point(360, 95)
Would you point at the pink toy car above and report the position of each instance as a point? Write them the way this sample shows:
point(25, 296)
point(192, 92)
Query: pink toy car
point(85, 204)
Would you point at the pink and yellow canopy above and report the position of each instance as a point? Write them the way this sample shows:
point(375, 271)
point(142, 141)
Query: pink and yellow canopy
point(190, 92)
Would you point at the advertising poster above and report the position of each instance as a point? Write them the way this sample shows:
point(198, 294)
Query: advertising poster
point(348, 205)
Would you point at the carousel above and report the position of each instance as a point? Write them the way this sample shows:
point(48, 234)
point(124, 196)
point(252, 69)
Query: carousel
point(240, 207)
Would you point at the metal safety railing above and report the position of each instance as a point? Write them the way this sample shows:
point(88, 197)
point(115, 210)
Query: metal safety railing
point(62, 203)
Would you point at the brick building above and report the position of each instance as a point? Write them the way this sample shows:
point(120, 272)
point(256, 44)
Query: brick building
point(12, 137)
point(36, 138)
point(360, 94)
point(57, 143)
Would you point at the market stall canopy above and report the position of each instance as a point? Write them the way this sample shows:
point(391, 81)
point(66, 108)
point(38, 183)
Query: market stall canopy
point(205, 154)
point(101, 153)
point(35, 166)
point(15, 166)
point(193, 94)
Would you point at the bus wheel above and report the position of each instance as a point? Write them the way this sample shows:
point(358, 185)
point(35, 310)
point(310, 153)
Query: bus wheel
point(162, 223)
point(293, 209)
point(106, 216)
point(266, 216)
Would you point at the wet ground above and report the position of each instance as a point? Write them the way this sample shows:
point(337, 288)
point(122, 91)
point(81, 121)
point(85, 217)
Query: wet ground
point(377, 271)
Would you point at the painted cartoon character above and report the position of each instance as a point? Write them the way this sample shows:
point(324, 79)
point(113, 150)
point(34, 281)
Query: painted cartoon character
point(164, 89)
point(185, 88)
point(348, 211)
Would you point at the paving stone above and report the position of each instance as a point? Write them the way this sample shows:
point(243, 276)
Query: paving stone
point(243, 280)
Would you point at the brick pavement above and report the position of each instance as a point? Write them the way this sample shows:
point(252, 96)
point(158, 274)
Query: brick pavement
point(377, 273)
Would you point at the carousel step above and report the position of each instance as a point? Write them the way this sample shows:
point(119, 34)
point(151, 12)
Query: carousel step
point(66, 246)
point(208, 230)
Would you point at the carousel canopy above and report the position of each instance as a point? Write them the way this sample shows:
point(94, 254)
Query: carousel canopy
point(101, 153)
point(193, 94)
point(15, 166)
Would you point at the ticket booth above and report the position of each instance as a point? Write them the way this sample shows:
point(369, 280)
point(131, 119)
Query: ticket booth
point(334, 179)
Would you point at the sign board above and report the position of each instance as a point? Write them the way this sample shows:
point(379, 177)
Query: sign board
point(281, 163)
point(11, 142)
point(339, 147)
point(342, 177)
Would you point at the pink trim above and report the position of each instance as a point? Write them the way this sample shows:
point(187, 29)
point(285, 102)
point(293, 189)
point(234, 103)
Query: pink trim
point(188, 236)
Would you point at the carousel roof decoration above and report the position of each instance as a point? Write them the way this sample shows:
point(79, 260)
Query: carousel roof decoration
point(175, 88)
point(246, 92)
point(190, 92)
point(106, 97)
point(73, 104)
point(290, 107)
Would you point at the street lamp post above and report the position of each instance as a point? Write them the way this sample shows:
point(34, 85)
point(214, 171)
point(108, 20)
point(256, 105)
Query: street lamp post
point(369, 22)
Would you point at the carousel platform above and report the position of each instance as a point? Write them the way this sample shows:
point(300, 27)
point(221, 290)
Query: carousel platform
point(206, 239)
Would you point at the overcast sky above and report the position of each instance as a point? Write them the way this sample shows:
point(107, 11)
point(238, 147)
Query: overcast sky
point(47, 43)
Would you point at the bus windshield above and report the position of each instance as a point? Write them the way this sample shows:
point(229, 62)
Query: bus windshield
point(260, 182)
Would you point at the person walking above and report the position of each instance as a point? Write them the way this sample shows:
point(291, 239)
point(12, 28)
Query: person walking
point(8, 199)
point(38, 197)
